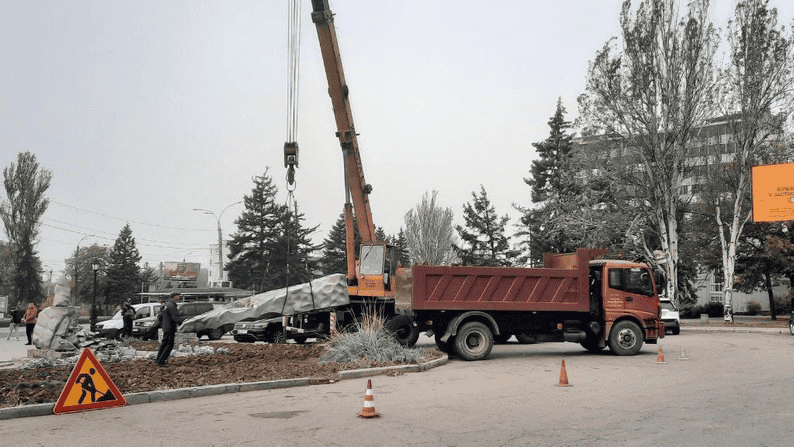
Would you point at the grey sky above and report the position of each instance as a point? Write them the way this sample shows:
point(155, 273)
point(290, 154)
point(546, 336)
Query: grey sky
point(145, 110)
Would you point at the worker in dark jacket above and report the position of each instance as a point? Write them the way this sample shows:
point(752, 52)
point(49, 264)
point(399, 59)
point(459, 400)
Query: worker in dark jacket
point(170, 322)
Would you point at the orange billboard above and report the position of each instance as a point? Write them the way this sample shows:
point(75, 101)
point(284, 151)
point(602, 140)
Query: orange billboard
point(773, 192)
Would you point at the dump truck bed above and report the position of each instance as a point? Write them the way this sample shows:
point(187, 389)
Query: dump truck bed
point(560, 286)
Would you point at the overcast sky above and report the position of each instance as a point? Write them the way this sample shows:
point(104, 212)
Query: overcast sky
point(145, 110)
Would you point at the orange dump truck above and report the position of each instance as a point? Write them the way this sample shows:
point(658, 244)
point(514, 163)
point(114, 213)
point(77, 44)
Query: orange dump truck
point(574, 297)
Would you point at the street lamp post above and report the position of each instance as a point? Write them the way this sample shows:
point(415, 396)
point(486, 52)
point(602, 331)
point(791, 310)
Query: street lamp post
point(95, 267)
point(220, 235)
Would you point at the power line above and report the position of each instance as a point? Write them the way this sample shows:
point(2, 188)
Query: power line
point(129, 220)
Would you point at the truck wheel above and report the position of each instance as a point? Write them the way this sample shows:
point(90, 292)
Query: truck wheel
point(474, 341)
point(626, 338)
point(446, 346)
point(403, 329)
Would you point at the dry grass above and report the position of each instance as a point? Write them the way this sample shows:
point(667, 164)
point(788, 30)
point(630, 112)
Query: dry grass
point(370, 342)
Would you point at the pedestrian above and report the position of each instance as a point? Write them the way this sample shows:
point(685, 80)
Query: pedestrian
point(170, 321)
point(30, 321)
point(127, 313)
point(16, 319)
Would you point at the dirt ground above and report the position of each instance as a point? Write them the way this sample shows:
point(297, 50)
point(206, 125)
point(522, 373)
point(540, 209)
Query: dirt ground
point(781, 322)
point(244, 363)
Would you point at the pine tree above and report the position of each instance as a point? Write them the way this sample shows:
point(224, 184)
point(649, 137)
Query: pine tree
point(123, 273)
point(334, 248)
point(294, 251)
point(551, 172)
point(484, 235)
point(401, 245)
point(253, 247)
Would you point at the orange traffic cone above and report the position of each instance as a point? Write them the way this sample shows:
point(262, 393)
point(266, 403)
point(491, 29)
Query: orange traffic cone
point(369, 405)
point(563, 375)
point(660, 357)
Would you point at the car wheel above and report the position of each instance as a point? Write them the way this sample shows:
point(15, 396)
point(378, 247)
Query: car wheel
point(676, 330)
point(791, 327)
point(300, 340)
point(216, 333)
point(626, 338)
point(474, 341)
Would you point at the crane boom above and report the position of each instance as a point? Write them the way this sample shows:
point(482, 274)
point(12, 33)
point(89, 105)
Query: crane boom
point(372, 275)
point(356, 186)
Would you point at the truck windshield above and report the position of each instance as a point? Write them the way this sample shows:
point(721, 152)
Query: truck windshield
point(631, 280)
point(371, 260)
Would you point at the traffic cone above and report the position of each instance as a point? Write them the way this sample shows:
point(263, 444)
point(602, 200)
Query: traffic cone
point(369, 405)
point(660, 358)
point(563, 375)
point(683, 354)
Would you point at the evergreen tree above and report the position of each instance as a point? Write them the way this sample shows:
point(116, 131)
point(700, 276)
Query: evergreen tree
point(334, 249)
point(268, 236)
point(401, 245)
point(123, 273)
point(484, 235)
point(80, 263)
point(551, 173)
point(295, 251)
point(25, 184)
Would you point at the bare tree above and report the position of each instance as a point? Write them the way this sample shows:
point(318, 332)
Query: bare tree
point(649, 95)
point(756, 96)
point(25, 184)
point(429, 233)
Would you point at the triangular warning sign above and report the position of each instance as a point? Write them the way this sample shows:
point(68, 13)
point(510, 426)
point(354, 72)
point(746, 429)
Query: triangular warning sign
point(89, 387)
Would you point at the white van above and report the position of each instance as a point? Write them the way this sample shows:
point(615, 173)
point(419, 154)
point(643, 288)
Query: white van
point(112, 328)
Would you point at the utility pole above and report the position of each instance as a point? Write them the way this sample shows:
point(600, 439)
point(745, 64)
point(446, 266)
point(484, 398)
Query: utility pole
point(220, 235)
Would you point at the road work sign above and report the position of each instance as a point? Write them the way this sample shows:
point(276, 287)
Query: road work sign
point(773, 192)
point(89, 387)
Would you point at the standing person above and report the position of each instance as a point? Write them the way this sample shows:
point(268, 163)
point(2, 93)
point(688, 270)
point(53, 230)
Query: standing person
point(170, 321)
point(16, 319)
point(30, 321)
point(127, 313)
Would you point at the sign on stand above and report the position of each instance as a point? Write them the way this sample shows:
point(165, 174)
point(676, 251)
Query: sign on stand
point(89, 387)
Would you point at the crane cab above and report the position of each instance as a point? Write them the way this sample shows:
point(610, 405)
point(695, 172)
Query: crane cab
point(375, 270)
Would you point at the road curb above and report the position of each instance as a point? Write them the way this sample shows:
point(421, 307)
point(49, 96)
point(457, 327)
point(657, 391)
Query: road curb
point(743, 330)
point(214, 390)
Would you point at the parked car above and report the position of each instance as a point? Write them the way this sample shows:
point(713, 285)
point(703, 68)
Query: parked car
point(142, 328)
point(791, 321)
point(268, 329)
point(112, 328)
point(670, 317)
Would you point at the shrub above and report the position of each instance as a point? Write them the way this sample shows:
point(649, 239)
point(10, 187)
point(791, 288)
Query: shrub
point(783, 304)
point(714, 309)
point(753, 307)
point(369, 342)
point(690, 312)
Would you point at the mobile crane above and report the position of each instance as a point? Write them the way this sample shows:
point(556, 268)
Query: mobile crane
point(371, 274)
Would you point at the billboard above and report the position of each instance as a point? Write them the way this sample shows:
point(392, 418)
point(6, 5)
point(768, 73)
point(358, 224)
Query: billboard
point(181, 271)
point(773, 192)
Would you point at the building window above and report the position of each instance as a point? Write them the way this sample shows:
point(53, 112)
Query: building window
point(715, 290)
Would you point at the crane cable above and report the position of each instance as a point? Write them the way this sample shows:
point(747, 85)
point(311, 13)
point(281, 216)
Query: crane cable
point(293, 75)
point(291, 145)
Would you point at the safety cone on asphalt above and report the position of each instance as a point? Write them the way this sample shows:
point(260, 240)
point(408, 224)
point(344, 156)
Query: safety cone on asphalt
point(660, 358)
point(683, 354)
point(369, 404)
point(564, 375)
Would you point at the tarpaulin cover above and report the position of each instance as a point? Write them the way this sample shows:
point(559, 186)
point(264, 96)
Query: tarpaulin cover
point(326, 292)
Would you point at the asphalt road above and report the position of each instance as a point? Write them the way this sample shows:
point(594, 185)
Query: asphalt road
point(735, 389)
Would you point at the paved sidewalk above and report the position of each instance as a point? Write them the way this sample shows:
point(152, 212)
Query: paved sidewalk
point(13, 349)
